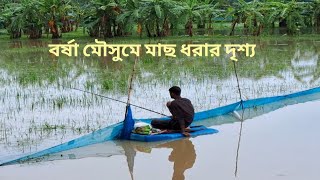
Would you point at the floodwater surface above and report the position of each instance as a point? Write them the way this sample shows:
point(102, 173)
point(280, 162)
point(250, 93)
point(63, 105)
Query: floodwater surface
point(39, 110)
point(282, 144)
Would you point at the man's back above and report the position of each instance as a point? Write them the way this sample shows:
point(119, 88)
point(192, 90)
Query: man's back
point(182, 113)
point(182, 108)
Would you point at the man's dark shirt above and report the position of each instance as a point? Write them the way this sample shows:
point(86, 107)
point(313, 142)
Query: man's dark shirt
point(182, 111)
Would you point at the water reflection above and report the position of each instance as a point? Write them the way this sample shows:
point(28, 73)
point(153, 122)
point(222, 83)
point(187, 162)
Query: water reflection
point(32, 97)
point(130, 152)
point(305, 66)
point(241, 119)
point(183, 155)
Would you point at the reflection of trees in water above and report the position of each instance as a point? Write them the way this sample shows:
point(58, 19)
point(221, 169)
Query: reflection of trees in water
point(272, 58)
point(297, 58)
point(15, 44)
point(32, 43)
point(305, 65)
point(317, 73)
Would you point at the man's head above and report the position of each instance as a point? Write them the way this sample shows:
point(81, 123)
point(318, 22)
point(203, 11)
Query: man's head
point(175, 92)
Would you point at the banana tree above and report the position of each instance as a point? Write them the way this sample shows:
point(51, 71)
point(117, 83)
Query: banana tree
point(237, 12)
point(33, 20)
point(23, 17)
point(51, 10)
point(66, 14)
point(256, 17)
point(290, 15)
point(316, 13)
point(214, 11)
point(55, 11)
point(132, 15)
point(2, 19)
point(195, 11)
point(13, 19)
point(101, 17)
point(78, 13)
point(159, 15)
point(2, 22)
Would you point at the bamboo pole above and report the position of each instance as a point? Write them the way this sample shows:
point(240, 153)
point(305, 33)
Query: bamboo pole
point(130, 85)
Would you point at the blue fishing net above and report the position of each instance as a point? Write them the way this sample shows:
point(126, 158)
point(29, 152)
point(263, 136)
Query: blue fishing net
point(128, 124)
point(260, 106)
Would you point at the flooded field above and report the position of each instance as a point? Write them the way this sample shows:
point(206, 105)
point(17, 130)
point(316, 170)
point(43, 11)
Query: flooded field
point(282, 144)
point(39, 110)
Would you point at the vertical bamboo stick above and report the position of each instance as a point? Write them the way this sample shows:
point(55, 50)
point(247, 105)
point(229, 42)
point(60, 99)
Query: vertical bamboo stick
point(130, 84)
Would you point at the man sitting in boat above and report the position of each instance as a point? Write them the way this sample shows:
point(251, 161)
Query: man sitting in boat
point(182, 113)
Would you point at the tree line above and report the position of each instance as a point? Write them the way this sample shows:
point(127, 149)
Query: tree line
point(153, 18)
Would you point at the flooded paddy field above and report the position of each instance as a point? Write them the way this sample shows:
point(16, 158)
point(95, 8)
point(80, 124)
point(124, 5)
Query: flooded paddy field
point(39, 110)
point(282, 144)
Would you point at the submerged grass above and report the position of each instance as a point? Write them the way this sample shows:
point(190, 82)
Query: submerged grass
point(38, 109)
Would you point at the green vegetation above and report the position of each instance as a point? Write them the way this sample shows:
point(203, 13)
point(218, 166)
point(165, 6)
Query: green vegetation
point(35, 66)
point(36, 109)
point(36, 106)
point(156, 18)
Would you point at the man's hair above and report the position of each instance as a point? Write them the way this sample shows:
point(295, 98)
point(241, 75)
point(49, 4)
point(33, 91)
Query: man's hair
point(175, 90)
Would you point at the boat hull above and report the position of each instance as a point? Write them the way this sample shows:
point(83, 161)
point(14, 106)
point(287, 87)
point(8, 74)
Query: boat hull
point(195, 131)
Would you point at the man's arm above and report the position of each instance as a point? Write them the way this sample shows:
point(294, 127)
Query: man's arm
point(168, 103)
